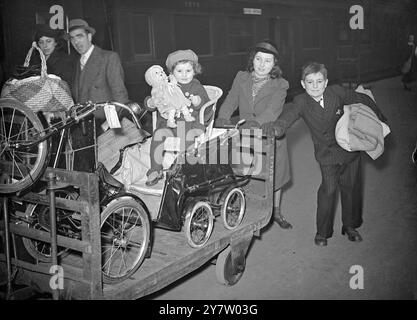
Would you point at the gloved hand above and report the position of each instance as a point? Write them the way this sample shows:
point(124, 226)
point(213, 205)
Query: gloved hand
point(250, 124)
point(272, 129)
point(221, 122)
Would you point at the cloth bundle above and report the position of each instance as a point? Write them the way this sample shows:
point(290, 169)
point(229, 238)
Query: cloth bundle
point(359, 129)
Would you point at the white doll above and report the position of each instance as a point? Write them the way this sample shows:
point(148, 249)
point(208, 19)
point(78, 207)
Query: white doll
point(167, 97)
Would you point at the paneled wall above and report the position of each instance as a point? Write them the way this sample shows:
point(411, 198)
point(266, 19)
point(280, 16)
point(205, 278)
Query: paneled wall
point(144, 32)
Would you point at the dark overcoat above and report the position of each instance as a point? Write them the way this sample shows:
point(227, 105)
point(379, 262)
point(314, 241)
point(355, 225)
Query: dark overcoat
point(102, 79)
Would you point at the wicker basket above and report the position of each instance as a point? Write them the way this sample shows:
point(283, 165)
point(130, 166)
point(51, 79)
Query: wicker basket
point(47, 93)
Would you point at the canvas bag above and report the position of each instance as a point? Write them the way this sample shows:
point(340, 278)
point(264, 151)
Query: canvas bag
point(48, 93)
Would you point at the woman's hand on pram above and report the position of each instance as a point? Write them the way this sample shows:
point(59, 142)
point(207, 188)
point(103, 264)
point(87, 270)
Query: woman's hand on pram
point(250, 124)
point(272, 129)
point(222, 123)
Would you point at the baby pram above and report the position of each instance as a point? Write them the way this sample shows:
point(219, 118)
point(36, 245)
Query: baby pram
point(203, 182)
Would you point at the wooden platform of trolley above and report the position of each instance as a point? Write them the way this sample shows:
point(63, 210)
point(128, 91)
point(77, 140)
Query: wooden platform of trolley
point(171, 257)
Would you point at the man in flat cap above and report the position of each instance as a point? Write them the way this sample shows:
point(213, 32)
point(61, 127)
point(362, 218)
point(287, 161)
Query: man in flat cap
point(99, 77)
point(99, 73)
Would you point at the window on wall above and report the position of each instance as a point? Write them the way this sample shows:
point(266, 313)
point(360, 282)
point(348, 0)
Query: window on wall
point(193, 32)
point(365, 34)
point(141, 36)
point(240, 34)
point(311, 34)
point(285, 32)
point(343, 33)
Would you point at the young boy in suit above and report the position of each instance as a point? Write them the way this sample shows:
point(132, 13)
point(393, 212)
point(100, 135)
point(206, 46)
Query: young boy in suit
point(321, 107)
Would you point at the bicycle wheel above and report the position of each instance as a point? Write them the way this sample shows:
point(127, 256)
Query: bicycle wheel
point(20, 167)
point(125, 236)
point(68, 224)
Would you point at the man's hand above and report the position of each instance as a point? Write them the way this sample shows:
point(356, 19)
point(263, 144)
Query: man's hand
point(221, 122)
point(272, 129)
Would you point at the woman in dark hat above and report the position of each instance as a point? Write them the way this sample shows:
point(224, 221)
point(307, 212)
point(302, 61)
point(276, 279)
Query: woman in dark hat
point(259, 93)
point(51, 43)
point(58, 62)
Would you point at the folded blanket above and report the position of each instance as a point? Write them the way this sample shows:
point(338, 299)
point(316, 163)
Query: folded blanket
point(359, 129)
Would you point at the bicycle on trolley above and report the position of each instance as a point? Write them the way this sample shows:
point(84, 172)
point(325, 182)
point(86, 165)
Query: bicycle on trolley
point(191, 197)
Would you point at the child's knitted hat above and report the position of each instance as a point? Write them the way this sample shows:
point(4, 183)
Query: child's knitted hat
point(180, 55)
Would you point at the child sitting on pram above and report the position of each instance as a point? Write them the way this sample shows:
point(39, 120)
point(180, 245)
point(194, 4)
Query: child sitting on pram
point(183, 66)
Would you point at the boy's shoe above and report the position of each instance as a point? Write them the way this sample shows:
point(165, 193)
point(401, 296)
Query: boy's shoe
point(320, 240)
point(154, 177)
point(414, 155)
point(352, 234)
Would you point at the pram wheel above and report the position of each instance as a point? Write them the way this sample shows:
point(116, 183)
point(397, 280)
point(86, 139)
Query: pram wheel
point(37, 216)
point(233, 207)
point(125, 236)
point(198, 223)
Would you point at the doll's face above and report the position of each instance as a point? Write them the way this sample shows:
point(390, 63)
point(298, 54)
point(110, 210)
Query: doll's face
point(157, 75)
point(183, 72)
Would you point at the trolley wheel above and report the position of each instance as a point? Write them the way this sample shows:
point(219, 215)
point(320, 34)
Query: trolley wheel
point(225, 272)
point(233, 207)
point(22, 166)
point(198, 223)
point(125, 237)
point(38, 218)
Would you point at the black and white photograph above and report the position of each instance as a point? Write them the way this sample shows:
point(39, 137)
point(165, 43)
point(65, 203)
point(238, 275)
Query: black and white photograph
point(208, 156)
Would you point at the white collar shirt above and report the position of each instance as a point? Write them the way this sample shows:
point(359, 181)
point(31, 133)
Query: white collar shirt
point(84, 57)
point(320, 101)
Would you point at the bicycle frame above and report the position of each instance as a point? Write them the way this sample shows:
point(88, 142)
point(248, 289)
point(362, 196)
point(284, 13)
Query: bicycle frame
point(72, 120)
point(23, 137)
